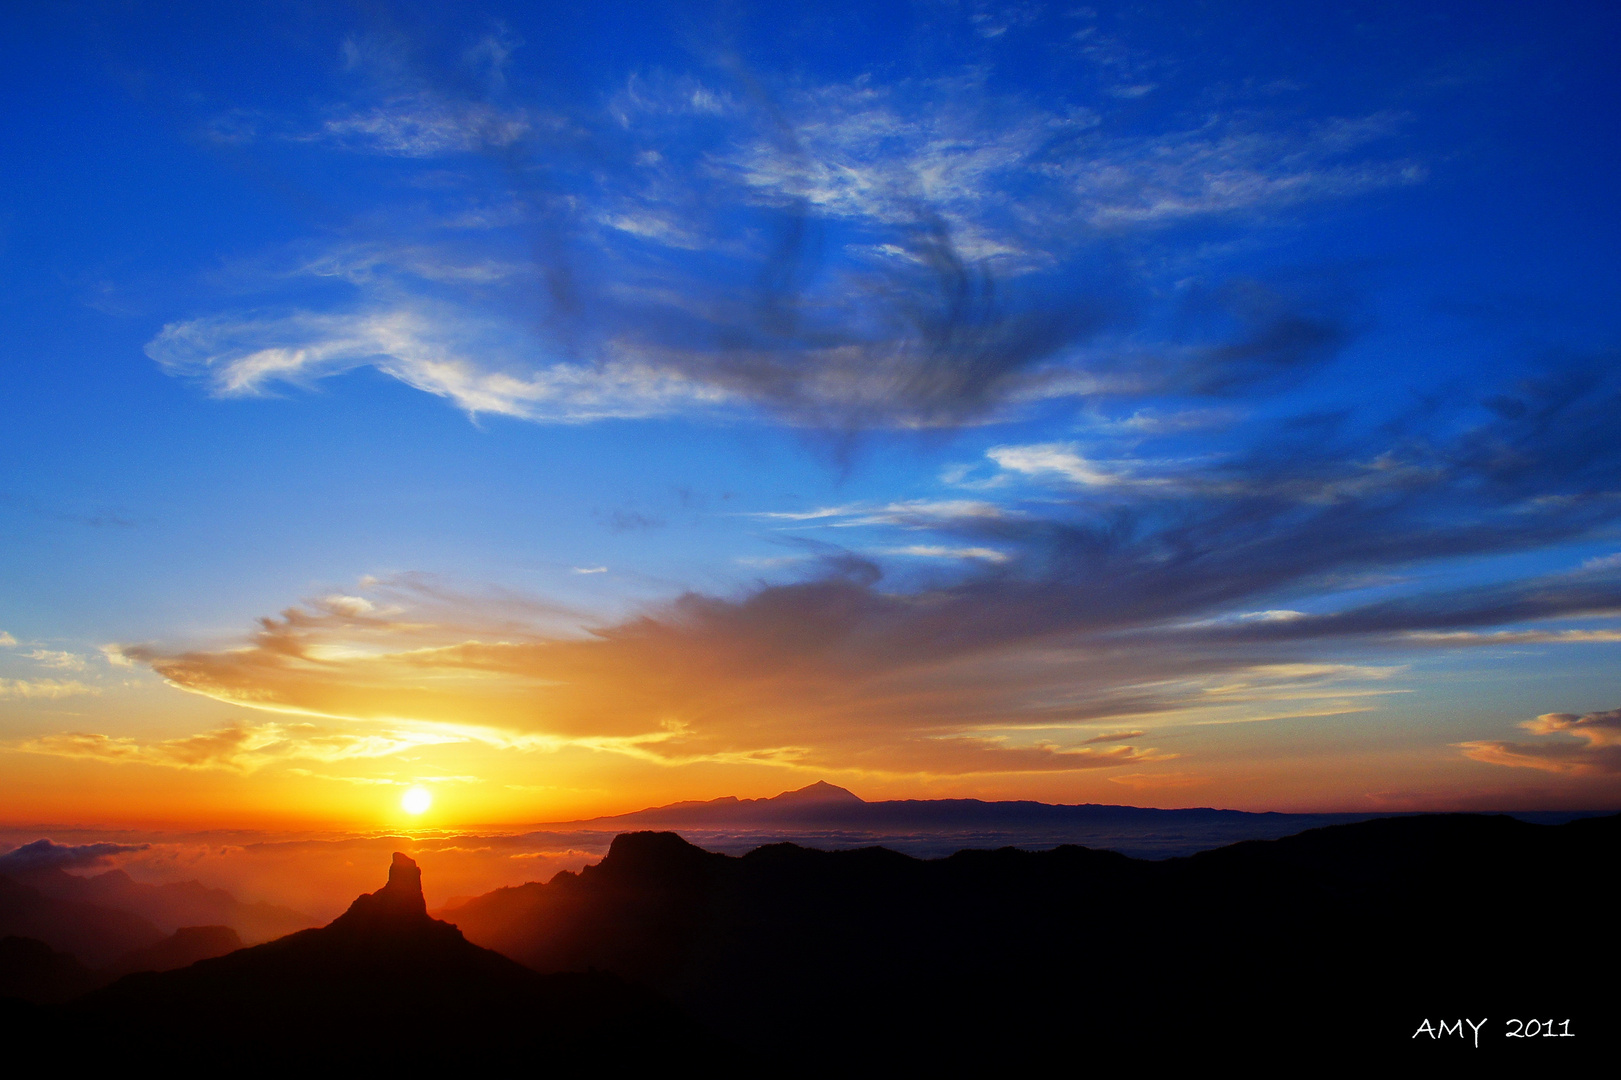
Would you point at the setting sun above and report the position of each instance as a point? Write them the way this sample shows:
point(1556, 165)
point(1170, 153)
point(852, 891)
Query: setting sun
point(416, 800)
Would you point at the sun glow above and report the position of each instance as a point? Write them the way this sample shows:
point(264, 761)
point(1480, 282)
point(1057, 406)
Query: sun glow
point(416, 800)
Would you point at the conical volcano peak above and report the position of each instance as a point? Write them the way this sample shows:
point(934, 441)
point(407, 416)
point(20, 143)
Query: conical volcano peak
point(819, 792)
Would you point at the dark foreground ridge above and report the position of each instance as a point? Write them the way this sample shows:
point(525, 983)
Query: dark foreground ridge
point(1335, 942)
point(382, 983)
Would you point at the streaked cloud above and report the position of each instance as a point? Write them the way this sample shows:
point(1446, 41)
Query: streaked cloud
point(44, 688)
point(1040, 622)
point(1230, 166)
point(913, 513)
point(1586, 744)
point(1063, 460)
point(937, 551)
point(844, 256)
point(449, 357)
point(57, 658)
point(244, 747)
point(425, 125)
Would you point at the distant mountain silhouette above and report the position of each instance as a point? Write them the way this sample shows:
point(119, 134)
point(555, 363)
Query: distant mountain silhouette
point(383, 984)
point(182, 948)
point(1334, 940)
point(170, 906)
point(32, 971)
point(94, 934)
point(823, 814)
point(820, 793)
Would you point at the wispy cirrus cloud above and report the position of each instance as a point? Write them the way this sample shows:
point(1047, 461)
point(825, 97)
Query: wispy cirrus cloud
point(45, 688)
point(1239, 600)
point(918, 513)
point(1592, 745)
point(437, 352)
point(425, 125)
point(843, 256)
point(243, 747)
point(1237, 165)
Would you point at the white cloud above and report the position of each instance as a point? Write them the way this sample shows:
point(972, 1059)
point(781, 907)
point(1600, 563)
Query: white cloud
point(371, 263)
point(6, 639)
point(590, 569)
point(913, 513)
point(55, 658)
point(936, 551)
point(1230, 165)
point(1273, 615)
point(114, 655)
point(1063, 460)
point(1016, 183)
point(932, 181)
point(425, 126)
point(43, 688)
point(448, 354)
point(1512, 637)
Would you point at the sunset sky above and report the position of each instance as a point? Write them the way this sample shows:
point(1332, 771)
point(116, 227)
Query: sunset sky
point(572, 408)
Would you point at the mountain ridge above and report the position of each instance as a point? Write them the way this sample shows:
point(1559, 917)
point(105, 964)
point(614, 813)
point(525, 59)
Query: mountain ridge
point(168, 906)
point(383, 982)
point(1333, 922)
point(821, 798)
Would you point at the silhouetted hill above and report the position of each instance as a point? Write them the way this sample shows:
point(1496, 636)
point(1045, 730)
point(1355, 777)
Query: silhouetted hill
point(1336, 940)
point(182, 948)
point(95, 934)
point(32, 971)
point(383, 984)
point(170, 906)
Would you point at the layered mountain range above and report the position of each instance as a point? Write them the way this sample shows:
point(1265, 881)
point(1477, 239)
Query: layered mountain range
point(383, 984)
point(824, 815)
point(1338, 941)
point(1335, 936)
point(62, 934)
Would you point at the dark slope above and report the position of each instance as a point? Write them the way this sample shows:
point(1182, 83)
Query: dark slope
point(182, 948)
point(1336, 940)
point(95, 935)
point(32, 971)
point(382, 984)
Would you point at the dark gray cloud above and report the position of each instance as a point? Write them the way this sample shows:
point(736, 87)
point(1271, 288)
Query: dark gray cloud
point(49, 855)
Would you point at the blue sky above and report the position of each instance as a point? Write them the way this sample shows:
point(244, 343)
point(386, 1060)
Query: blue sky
point(1158, 403)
